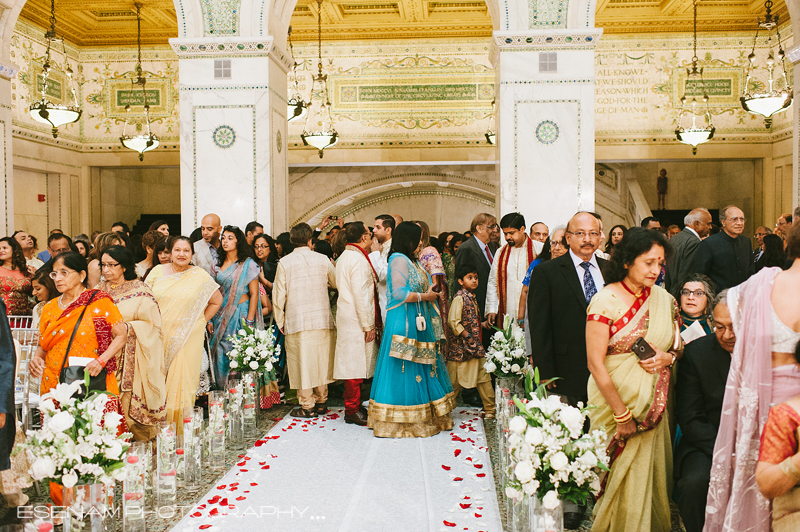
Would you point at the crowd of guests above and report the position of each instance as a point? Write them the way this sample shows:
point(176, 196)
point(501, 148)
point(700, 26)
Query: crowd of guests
point(403, 319)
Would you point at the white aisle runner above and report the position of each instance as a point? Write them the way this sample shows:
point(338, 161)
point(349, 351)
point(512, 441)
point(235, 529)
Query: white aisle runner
point(324, 475)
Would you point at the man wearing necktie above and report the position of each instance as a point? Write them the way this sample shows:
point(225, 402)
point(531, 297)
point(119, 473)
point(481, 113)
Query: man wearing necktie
point(476, 251)
point(558, 296)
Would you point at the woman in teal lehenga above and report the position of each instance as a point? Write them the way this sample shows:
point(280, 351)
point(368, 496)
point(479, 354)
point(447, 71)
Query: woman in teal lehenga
point(411, 392)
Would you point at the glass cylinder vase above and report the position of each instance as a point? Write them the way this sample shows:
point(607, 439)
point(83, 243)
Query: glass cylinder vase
point(167, 465)
point(514, 385)
point(88, 508)
point(544, 519)
point(235, 414)
point(216, 430)
point(133, 488)
point(192, 447)
point(249, 402)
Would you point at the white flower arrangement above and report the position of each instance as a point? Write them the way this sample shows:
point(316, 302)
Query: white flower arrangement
point(506, 356)
point(551, 456)
point(236, 397)
point(78, 442)
point(254, 350)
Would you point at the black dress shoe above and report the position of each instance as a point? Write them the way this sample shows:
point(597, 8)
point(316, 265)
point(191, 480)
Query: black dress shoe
point(358, 418)
point(573, 520)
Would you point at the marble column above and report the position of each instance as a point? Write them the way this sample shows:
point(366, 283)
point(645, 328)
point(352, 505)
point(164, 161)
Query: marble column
point(7, 72)
point(794, 56)
point(545, 121)
point(233, 130)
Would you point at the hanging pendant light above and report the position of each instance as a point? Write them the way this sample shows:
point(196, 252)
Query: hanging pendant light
point(695, 135)
point(491, 135)
point(142, 142)
point(769, 100)
point(44, 111)
point(296, 107)
point(326, 136)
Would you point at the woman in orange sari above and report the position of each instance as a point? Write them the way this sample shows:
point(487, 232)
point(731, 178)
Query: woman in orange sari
point(100, 336)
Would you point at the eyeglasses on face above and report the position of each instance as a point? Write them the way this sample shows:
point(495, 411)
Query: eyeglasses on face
point(261, 247)
point(738, 219)
point(581, 234)
point(104, 265)
point(696, 293)
point(491, 227)
point(61, 273)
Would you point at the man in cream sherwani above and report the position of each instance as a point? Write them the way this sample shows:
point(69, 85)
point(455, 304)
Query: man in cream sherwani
point(357, 320)
point(303, 313)
point(509, 267)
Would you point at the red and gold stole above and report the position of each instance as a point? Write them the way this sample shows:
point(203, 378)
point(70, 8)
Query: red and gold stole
point(378, 319)
point(502, 274)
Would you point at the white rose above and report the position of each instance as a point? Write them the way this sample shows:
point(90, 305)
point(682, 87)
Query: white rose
point(44, 467)
point(254, 365)
point(594, 485)
point(498, 336)
point(533, 436)
point(249, 351)
point(242, 333)
point(550, 501)
point(47, 406)
point(531, 487)
point(559, 461)
point(112, 420)
point(69, 480)
point(113, 451)
point(234, 364)
point(61, 422)
point(513, 493)
point(588, 458)
point(524, 471)
point(489, 367)
point(233, 354)
point(517, 424)
point(515, 368)
point(85, 449)
point(572, 418)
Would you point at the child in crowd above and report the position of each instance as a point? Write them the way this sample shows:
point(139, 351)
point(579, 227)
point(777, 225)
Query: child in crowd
point(465, 358)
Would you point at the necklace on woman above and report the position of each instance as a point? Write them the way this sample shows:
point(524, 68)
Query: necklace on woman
point(625, 286)
point(63, 305)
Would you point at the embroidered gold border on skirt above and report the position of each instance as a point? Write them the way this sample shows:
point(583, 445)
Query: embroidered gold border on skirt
point(413, 350)
point(412, 421)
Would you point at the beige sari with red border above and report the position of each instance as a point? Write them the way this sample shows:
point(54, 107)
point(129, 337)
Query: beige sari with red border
point(635, 493)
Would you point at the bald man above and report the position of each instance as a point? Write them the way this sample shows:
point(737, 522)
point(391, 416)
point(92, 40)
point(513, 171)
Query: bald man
point(684, 246)
point(397, 219)
point(205, 251)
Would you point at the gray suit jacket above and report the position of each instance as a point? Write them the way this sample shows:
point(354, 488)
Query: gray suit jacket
point(684, 245)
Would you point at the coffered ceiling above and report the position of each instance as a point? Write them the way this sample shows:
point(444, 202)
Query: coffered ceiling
point(113, 22)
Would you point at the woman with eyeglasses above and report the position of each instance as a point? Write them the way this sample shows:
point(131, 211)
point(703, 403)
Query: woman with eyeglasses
point(695, 296)
point(15, 279)
point(101, 243)
point(140, 372)
point(267, 255)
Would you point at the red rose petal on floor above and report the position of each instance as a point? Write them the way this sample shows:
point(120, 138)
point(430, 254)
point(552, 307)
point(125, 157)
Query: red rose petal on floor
point(254, 483)
point(273, 456)
point(201, 507)
point(446, 468)
point(196, 514)
point(478, 515)
point(457, 479)
point(469, 458)
point(478, 466)
point(259, 443)
point(240, 498)
point(214, 500)
point(457, 452)
point(221, 487)
point(203, 527)
point(232, 507)
point(213, 512)
point(246, 491)
point(448, 523)
point(224, 502)
point(464, 506)
point(234, 488)
point(243, 470)
point(234, 484)
point(276, 419)
point(240, 464)
point(265, 467)
point(241, 456)
point(480, 475)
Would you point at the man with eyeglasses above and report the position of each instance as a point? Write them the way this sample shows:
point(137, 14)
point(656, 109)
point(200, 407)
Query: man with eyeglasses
point(476, 251)
point(761, 232)
point(699, 392)
point(684, 247)
point(727, 257)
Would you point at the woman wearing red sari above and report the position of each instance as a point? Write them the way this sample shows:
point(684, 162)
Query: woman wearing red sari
point(630, 395)
point(99, 339)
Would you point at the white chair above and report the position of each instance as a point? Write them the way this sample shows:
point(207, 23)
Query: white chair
point(26, 388)
point(20, 322)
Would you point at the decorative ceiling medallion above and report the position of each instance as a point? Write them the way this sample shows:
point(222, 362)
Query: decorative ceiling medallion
point(279, 141)
point(224, 137)
point(547, 132)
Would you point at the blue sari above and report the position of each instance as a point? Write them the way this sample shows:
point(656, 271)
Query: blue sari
point(412, 396)
point(233, 284)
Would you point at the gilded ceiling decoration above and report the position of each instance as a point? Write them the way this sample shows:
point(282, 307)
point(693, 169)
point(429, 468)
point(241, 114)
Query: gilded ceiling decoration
point(110, 23)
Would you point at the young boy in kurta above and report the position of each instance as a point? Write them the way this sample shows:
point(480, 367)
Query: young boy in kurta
point(466, 357)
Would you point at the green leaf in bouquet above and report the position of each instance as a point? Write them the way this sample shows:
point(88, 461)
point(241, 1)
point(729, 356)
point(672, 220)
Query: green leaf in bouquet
point(246, 328)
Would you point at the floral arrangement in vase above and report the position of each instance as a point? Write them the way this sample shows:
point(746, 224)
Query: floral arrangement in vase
point(78, 442)
point(551, 456)
point(254, 350)
point(506, 355)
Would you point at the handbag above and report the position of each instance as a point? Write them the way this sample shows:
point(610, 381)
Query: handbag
point(70, 374)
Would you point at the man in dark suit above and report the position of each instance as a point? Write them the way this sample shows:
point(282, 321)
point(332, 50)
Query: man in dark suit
point(558, 295)
point(476, 251)
point(684, 245)
point(727, 257)
point(699, 392)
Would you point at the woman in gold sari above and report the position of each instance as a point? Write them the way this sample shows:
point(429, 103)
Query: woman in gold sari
point(140, 365)
point(188, 298)
point(630, 395)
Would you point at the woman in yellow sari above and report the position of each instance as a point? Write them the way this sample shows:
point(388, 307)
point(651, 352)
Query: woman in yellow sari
point(630, 395)
point(188, 298)
point(140, 365)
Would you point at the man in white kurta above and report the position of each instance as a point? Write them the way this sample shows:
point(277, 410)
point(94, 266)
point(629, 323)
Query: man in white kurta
point(356, 321)
point(384, 227)
point(504, 287)
point(303, 313)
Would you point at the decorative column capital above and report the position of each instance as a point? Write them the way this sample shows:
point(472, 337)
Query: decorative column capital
point(232, 47)
point(8, 70)
point(793, 54)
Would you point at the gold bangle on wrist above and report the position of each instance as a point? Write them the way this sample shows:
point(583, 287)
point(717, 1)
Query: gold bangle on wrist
point(790, 470)
point(624, 417)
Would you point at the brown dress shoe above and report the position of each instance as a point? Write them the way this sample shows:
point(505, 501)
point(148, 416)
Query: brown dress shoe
point(321, 409)
point(359, 418)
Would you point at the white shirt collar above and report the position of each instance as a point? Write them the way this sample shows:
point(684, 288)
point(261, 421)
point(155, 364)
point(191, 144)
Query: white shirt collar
point(576, 260)
point(693, 231)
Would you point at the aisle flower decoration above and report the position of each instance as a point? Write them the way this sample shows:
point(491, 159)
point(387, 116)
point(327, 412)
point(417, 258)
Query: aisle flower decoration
point(506, 355)
point(551, 456)
point(254, 350)
point(78, 441)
